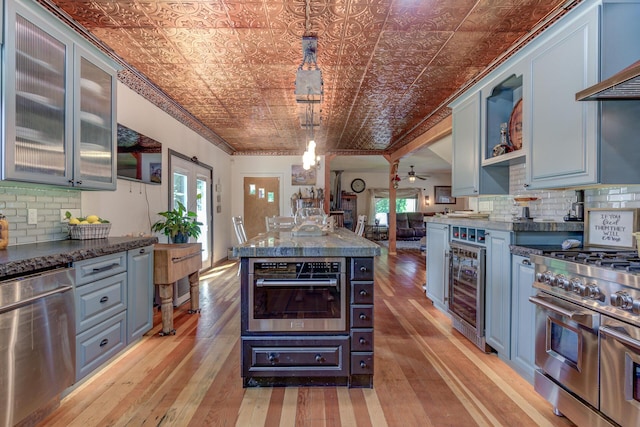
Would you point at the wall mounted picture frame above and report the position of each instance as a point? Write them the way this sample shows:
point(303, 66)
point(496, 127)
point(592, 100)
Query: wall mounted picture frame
point(300, 176)
point(443, 195)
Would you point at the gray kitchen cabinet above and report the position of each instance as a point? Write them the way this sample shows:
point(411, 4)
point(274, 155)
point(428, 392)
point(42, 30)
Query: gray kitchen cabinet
point(60, 121)
point(588, 142)
point(437, 262)
point(468, 178)
point(498, 291)
point(563, 131)
point(522, 317)
point(140, 292)
point(101, 310)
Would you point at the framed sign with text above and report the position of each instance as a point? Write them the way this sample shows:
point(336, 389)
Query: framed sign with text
point(606, 227)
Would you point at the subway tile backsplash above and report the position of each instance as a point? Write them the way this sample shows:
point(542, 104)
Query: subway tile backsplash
point(15, 202)
point(555, 204)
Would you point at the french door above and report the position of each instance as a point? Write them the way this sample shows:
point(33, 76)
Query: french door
point(190, 184)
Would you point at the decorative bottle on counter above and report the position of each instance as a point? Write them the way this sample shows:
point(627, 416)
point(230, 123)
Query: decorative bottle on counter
point(4, 232)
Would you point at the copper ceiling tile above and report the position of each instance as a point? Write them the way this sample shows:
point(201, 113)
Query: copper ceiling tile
point(388, 66)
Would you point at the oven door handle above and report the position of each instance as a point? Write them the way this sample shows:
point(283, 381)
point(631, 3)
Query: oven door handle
point(296, 282)
point(583, 317)
point(624, 339)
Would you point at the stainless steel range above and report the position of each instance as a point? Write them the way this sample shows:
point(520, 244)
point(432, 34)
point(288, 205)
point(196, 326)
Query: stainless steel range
point(588, 335)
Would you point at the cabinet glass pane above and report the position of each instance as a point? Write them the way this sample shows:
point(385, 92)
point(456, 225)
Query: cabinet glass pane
point(96, 131)
point(40, 101)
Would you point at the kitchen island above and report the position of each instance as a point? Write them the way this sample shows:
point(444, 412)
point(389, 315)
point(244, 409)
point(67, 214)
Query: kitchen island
point(307, 309)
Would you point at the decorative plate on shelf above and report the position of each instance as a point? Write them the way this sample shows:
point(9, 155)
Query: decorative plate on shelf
point(515, 126)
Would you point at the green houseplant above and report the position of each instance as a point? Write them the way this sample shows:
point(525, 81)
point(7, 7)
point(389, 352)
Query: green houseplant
point(178, 224)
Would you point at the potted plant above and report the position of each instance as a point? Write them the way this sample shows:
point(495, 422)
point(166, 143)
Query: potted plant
point(179, 224)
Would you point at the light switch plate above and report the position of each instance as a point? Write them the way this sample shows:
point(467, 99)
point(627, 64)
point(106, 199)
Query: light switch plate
point(32, 216)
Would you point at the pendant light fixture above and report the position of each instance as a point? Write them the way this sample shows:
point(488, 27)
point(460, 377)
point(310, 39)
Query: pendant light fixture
point(309, 90)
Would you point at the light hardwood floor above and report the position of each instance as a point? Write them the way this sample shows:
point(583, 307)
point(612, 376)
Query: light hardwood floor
point(426, 374)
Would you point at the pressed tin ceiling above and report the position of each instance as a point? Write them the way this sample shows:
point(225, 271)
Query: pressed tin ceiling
point(389, 66)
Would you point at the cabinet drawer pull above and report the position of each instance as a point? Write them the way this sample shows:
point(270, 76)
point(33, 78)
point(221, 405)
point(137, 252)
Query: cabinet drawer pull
point(104, 342)
point(319, 358)
point(363, 316)
point(106, 267)
point(362, 340)
point(363, 292)
point(363, 364)
point(104, 299)
point(526, 262)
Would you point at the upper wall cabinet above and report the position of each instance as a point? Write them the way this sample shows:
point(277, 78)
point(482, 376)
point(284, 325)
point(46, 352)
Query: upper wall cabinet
point(564, 132)
point(591, 142)
point(60, 121)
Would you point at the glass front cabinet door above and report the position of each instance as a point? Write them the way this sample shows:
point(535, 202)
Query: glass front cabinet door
point(60, 104)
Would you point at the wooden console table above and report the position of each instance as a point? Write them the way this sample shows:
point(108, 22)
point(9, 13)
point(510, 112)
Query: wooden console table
point(171, 263)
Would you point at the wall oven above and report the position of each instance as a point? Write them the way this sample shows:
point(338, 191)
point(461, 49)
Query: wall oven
point(467, 291)
point(297, 295)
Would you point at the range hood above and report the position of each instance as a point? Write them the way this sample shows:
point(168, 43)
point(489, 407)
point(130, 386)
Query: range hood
point(622, 85)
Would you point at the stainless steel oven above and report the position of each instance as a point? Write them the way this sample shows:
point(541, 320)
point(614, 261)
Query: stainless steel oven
point(297, 295)
point(620, 381)
point(588, 335)
point(566, 347)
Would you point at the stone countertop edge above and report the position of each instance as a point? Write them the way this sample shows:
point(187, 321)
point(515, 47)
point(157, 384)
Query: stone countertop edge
point(21, 259)
point(280, 244)
point(517, 226)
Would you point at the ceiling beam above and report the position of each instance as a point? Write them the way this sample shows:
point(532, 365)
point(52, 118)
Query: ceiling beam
point(437, 132)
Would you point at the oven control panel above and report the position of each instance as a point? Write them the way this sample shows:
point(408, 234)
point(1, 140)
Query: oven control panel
point(471, 235)
point(301, 267)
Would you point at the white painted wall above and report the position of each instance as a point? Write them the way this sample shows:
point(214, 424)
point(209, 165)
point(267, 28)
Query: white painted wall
point(268, 166)
point(133, 206)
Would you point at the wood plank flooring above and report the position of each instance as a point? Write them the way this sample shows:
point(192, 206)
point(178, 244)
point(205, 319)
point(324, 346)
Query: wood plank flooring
point(426, 374)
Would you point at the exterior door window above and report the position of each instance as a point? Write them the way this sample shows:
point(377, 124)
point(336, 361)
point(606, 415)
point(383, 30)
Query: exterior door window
point(191, 185)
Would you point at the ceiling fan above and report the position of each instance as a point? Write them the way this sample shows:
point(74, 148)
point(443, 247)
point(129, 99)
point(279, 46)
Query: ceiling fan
point(412, 175)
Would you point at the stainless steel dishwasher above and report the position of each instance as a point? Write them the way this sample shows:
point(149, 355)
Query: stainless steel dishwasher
point(37, 342)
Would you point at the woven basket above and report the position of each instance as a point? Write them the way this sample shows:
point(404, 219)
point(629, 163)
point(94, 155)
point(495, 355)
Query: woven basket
point(89, 231)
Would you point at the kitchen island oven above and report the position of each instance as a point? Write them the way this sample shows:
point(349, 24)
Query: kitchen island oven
point(307, 319)
point(587, 342)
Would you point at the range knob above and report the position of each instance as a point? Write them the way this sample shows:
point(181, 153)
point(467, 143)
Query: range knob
point(546, 277)
point(621, 299)
point(578, 288)
point(636, 307)
point(561, 282)
point(593, 292)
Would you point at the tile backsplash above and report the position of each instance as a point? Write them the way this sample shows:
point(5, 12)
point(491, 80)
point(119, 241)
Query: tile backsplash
point(45, 203)
point(555, 204)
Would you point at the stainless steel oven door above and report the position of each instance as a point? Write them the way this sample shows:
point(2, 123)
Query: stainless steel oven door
point(285, 305)
point(566, 345)
point(620, 368)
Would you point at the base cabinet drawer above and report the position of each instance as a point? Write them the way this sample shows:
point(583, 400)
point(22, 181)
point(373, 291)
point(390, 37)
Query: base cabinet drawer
point(98, 344)
point(90, 270)
point(362, 316)
point(100, 300)
point(362, 363)
point(295, 356)
point(362, 340)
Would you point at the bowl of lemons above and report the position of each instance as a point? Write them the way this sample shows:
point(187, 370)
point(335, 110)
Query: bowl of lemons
point(89, 227)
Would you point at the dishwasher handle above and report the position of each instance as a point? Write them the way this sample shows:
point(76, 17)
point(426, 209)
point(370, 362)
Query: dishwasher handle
point(29, 300)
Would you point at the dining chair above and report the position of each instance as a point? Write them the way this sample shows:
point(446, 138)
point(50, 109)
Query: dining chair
point(238, 227)
point(279, 222)
point(362, 220)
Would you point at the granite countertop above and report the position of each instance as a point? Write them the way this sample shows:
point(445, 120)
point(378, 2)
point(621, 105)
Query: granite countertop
point(22, 259)
point(516, 226)
point(341, 242)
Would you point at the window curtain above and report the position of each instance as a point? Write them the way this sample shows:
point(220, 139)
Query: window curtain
point(383, 193)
